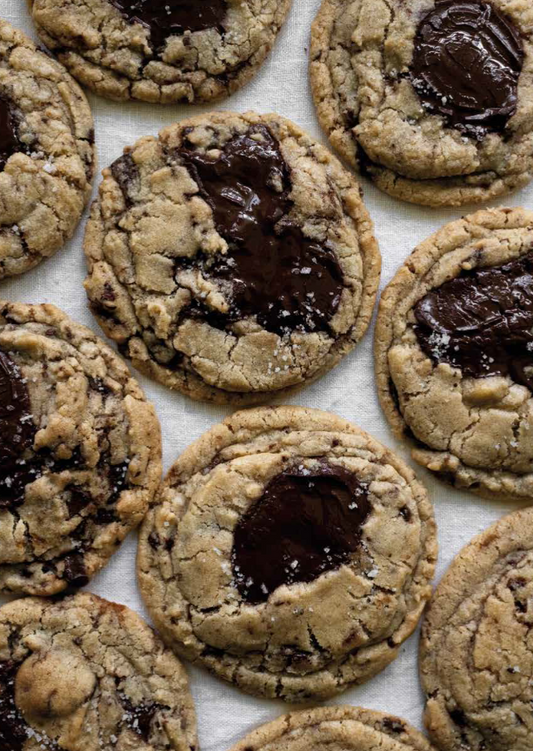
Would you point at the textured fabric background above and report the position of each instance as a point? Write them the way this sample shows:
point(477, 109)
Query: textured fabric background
point(224, 714)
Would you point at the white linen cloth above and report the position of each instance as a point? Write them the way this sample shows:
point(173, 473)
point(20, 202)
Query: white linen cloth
point(224, 713)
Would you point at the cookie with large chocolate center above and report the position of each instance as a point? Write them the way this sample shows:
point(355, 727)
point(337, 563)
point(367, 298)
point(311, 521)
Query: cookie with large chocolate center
point(454, 353)
point(289, 553)
point(47, 154)
point(231, 258)
point(476, 660)
point(161, 50)
point(335, 728)
point(431, 99)
point(86, 673)
point(80, 456)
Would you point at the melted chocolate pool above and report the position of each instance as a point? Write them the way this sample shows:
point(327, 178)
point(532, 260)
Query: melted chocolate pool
point(306, 523)
point(165, 18)
point(467, 59)
point(482, 322)
point(9, 143)
point(288, 281)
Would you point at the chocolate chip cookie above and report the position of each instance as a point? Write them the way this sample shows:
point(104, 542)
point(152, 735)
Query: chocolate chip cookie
point(84, 673)
point(454, 353)
point(476, 658)
point(431, 99)
point(47, 155)
point(161, 50)
point(231, 257)
point(289, 553)
point(80, 456)
point(334, 728)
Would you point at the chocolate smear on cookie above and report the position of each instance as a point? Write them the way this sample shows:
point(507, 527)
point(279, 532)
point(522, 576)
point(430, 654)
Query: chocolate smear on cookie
point(165, 18)
point(286, 280)
point(467, 59)
point(482, 322)
point(307, 522)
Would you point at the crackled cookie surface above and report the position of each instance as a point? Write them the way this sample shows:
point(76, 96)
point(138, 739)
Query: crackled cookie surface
point(161, 50)
point(476, 660)
point(431, 99)
point(46, 153)
point(289, 553)
point(80, 456)
point(335, 729)
point(454, 353)
point(231, 258)
point(86, 673)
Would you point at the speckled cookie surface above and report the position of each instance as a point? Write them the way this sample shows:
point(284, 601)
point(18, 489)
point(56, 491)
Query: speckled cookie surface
point(476, 660)
point(161, 50)
point(343, 728)
point(231, 258)
point(84, 673)
point(289, 553)
point(80, 456)
point(46, 153)
point(431, 99)
point(454, 329)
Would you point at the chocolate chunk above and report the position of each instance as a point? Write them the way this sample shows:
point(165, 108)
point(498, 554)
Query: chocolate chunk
point(75, 572)
point(13, 728)
point(78, 500)
point(467, 59)
point(165, 18)
point(278, 275)
point(306, 523)
point(18, 432)
point(9, 142)
point(482, 322)
point(126, 173)
point(139, 717)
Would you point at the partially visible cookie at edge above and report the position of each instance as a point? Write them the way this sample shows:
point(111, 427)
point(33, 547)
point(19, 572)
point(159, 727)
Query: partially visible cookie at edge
point(454, 353)
point(80, 457)
point(431, 99)
point(85, 673)
point(334, 728)
point(289, 553)
point(231, 258)
point(476, 659)
point(164, 51)
point(47, 154)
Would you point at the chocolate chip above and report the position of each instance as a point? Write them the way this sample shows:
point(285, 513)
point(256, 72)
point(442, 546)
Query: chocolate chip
point(467, 59)
point(77, 501)
point(165, 18)
point(74, 570)
point(482, 322)
point(275, 273)
point(307, 522)
point(394, 725)
point(138, 717)
point(126, 173)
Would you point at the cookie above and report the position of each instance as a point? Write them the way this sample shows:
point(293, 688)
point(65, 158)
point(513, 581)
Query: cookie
point(454, 328)
point(231, 258)
point(289, 553)
point(47, 155)
point(335, 728)
point(80, 457)
point(84, 673)
point(161, 50)
point(476, 661)
point(431, 99)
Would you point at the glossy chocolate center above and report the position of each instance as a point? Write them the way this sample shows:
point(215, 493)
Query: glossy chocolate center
point(17, 430)
point(165, 18)
point(275, 272)
point(466, 63)
point(9, 143)
point(306, 523)
point(482, 322)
